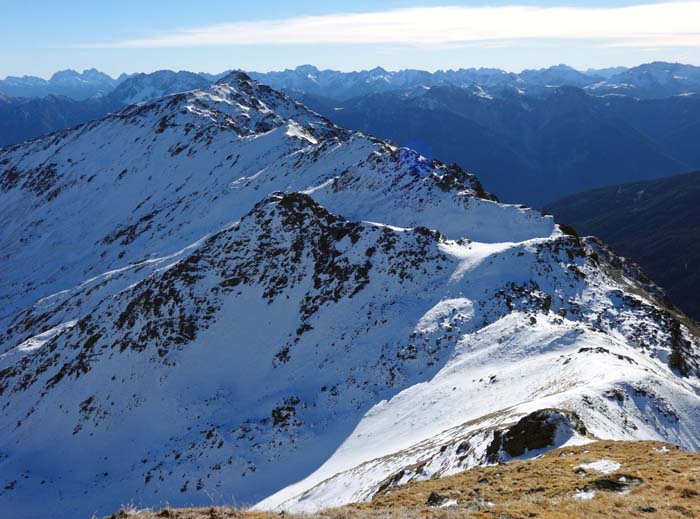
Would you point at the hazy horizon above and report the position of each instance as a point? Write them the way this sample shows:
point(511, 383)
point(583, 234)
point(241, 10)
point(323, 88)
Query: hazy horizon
point(293, 67)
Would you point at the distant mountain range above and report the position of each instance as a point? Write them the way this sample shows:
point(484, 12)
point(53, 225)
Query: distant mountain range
point(657, 223)
point(533, 149)
point(26, 118)
point(69, 83)
point(657, 79)
point(144, 87)
point(651, 80)
point(533, 137)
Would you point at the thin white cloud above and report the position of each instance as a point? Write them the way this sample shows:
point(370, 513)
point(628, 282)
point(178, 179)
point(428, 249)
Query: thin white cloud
point(659, 41)
point(659, 25)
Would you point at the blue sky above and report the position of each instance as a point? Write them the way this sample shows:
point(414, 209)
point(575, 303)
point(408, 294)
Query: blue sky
point(39, 37)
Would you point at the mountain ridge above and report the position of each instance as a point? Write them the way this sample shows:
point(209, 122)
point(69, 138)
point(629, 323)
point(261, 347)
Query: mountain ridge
point(69, 83)
point(650, 80)
point(656, 79)
point(222, 291)
point(24, 119)
point(528, 147)
point(654, 222)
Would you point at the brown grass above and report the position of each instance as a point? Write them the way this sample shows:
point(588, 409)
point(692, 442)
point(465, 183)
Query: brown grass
point(665, 485)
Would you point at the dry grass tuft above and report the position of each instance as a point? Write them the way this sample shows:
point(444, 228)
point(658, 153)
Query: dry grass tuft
point(654, 480)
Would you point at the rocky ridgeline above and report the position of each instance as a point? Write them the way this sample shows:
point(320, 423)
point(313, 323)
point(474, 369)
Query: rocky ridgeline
point(222, 293)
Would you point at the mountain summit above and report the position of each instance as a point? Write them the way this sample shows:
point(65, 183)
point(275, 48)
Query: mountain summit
point(222, 294)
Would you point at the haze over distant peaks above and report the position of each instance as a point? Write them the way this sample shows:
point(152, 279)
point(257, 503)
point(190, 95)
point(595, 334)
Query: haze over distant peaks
point(658, 79)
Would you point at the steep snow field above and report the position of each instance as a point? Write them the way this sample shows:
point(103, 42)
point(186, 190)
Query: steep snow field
point(523, 362)
point(220, 295)
point(159, 176)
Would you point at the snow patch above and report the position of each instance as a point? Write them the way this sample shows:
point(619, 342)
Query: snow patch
point(441, 314)
point(297, 131)
point(36, 342)
point(584, 495)
point(603, 466)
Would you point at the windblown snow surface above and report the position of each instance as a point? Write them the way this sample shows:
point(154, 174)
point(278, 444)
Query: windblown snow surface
point(220, 296)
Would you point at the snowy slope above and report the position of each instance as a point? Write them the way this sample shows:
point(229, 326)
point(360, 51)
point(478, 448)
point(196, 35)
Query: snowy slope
point(221, 295)
point(514, 365)
point(159, 176)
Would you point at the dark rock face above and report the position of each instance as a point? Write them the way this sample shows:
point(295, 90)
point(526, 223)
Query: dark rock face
point(435, 500)
point(533, 432)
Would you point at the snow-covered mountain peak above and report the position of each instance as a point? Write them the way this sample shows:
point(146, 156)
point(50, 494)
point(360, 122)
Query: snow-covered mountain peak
point(159, 175)
point(235, 102)
point(220, 292)
point(236, 78)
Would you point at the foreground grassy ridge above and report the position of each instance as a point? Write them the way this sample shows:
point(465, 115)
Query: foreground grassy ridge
point(653, 480)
